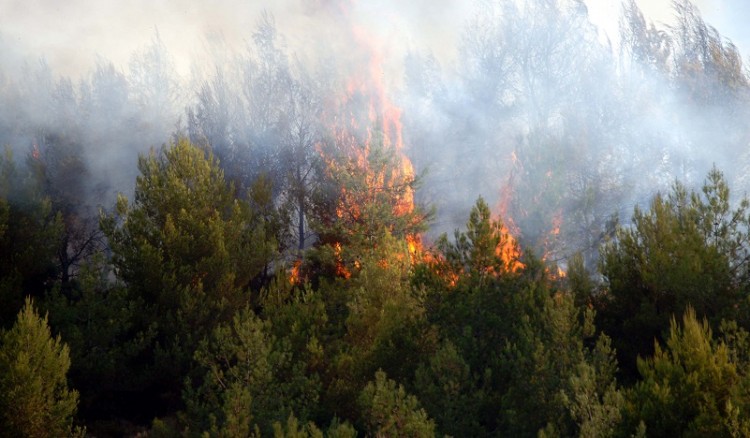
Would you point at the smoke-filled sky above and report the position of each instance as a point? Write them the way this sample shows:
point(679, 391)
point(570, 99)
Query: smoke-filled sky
point(70, 34)
point(729, 16)
point(498, 92)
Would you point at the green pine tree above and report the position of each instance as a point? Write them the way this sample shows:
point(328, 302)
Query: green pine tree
point(687, 249)
point(189, 250)
point(389, 411)
point(690, 387)
point(34, 397)
point(251, 380)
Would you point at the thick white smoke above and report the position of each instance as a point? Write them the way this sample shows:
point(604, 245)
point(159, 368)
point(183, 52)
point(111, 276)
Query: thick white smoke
point(539, 106)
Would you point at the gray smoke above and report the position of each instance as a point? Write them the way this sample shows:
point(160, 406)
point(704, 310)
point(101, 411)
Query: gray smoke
point(562, 120)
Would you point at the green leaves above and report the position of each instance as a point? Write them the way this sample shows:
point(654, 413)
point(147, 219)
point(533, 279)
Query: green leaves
point(186, 220)
point(686, 249)
point(30, 236)
point(485, 250)
point(252, 379)
point(388, 411)
point(188, 249)
point(34, 395)
point(690, 386)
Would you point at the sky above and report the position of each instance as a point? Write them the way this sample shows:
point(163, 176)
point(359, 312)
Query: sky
point(70, 34)
point(730, 17)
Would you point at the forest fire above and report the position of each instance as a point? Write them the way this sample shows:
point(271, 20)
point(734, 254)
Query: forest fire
point(414, 243)
point(509, 251)
point(368, 159)
point(294, 273)
point(551, 242)
point(383, 117)
point(341, 269)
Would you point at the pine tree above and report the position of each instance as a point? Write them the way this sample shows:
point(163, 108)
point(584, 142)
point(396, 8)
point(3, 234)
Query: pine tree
point(251, 381)
point(690, 387)
point(34, 397)
point(686, 249)
point(30, 235)
point(389, 411)
point(188, 249)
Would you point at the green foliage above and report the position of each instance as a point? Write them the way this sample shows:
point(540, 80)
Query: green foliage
point(388, 411)
point(30, 235)
point(187, 249)
point(292, 429)
point(386, 324)
point(579, 282)
point(378, 321)
point(251, 380)
point(592, 397)
point(450, 393)
point(687, 249)
point(544, 352)
point(34, 397)
point(690, 387)
point(484, 251)
point(338, 429)
point(478, 301)
point(518, 355)
point(97, 320)
point(365, 192)
point(299, 315)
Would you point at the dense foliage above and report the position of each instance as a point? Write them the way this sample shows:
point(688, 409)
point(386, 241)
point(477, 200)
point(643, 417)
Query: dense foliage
point(267, 272)
point(190, 322)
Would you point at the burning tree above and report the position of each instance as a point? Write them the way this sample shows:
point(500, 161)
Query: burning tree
point(363, 195)
point(485, 250)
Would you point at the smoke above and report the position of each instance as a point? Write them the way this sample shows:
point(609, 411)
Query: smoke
point(70, 34)
point(558, 112)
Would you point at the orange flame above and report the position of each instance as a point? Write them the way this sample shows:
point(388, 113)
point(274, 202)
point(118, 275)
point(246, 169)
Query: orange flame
point(414, 243)
point(294, 273)
point(551, 240)
point(382, 113)
point(440, 268)
point(509, 251)
point(362, 115)
point(341, 269)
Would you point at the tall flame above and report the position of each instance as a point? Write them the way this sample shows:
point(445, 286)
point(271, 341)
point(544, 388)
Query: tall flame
point(509, 251)
point(362, 115)
point(382, 113)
